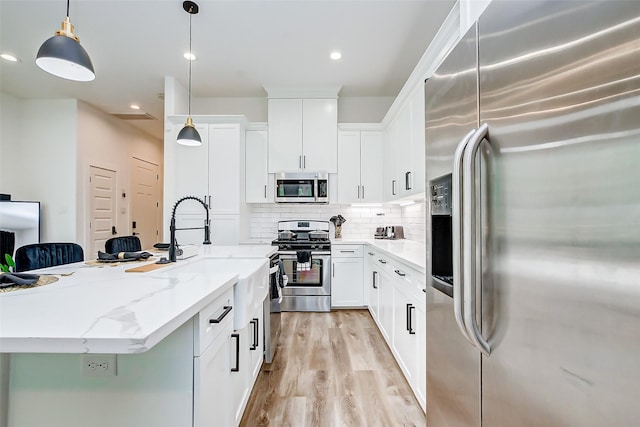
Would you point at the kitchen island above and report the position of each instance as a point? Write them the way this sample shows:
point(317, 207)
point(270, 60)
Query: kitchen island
point(154, 328)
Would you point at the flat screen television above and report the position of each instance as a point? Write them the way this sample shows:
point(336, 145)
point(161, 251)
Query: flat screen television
point(23, 219)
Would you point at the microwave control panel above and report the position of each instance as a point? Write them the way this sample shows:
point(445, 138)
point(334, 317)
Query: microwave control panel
point(440, 195)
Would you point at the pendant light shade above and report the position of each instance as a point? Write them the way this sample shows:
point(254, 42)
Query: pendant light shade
point(189, 135)
point(63, 56)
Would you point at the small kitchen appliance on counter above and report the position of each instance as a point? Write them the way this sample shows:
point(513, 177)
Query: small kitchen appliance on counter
point(305, 251)
point(392, 232)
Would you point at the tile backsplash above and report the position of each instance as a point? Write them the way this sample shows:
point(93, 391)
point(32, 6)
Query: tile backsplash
point(361, 221)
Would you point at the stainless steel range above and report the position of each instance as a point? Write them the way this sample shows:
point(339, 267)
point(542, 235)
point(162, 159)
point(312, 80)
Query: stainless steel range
point(305, 250)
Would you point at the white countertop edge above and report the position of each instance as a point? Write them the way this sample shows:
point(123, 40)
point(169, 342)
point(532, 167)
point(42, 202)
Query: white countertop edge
point(383, 246)
point(129, 345)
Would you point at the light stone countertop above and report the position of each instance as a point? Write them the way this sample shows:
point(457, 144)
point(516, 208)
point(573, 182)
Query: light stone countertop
point(411, 252)
point(106, 310)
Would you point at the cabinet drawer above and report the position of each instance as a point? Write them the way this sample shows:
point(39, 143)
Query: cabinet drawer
point(212, 320)
point(346, 251)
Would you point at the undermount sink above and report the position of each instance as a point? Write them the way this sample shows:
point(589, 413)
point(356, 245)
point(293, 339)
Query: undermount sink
point(252, 286)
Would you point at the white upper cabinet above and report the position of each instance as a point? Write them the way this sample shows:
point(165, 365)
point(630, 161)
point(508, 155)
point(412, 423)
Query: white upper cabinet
point(225, 142)
point(303, 135)
point(285, 135)
point(360, 166)
point(258, 188)
point(404, 149)
point(371, 166)
point(187, 172)
point(348, 166)
point(319, 135)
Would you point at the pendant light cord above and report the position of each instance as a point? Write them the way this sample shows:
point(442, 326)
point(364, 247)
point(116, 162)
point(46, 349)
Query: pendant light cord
point(190, 61)
point(67, 8)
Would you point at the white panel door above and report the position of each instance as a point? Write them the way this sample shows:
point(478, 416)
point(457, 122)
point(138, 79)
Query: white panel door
point(385, 308)
point(256, 170)
point(145, 202)
point(102, 208)
point(320, 135)
point(371, 172)
point(211, 386)
point(347, 283)
point(285, 135)
point(224, 168)
point(405, 339)
point(349, 190)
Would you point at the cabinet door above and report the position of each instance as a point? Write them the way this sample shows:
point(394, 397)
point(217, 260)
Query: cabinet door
point(405, 338)
point(421, 333)
point(256, 171)
point(402, 145)
point(256, 349)
point(285, 135)
point(211, 386)
point(346, 283)
point(390, 185)
point(240, 360)
point(371, 283)
point(349, 190)
point(187, 171)
point(224, 168)
point(320, 135)
point(417, 140)
point(385, 307)
point(371, 173)
point(225, 230)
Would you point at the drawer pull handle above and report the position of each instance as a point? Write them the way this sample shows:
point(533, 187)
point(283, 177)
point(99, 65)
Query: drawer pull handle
point(371, 253)
point(237, 337)
point(227, 309)
point(256, 329)
point(382, 261)
point(400, 273)
point(348, 252)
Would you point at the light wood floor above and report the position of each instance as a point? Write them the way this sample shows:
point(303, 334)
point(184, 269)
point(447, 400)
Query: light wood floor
point(332, 369)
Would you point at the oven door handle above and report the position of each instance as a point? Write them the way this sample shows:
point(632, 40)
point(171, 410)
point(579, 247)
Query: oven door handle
point(290, 254)
point(273, 269)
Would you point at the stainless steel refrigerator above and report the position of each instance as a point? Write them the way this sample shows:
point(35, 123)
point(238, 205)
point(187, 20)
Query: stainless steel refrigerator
point(533, 170)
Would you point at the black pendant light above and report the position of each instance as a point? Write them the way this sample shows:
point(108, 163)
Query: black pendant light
point(62, 55)
point(189, 135)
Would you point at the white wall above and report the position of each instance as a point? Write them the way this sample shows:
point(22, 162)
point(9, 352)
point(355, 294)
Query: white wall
point(45, 149)
point(39, 162)
point(107, 142)
point(10, 124)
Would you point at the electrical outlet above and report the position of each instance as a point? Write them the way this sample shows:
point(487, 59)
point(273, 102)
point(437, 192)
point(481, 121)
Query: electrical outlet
point(99, 365)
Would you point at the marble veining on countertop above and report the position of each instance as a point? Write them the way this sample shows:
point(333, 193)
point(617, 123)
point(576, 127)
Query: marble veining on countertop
point(103, 309)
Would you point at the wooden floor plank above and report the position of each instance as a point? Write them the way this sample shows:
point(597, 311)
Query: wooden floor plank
point(332, 369)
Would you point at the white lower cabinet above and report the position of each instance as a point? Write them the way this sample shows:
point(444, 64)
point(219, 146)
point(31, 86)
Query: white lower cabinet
point(211, 377)
point(385, 307)
point(371, 282)
point(346, 276)
point(405, 338)
point(397, 303)
point(246, 355)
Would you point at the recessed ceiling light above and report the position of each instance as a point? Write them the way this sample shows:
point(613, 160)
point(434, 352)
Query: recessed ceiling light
point(190, 56)
point(8, 57)
point(134, 107)
point(335, 55)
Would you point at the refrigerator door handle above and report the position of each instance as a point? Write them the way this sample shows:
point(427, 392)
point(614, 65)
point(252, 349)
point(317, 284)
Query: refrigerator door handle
point(456, 221)
point(469, 228)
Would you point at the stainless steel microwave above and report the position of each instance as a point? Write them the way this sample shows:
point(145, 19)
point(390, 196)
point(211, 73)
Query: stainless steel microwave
point(305, 187)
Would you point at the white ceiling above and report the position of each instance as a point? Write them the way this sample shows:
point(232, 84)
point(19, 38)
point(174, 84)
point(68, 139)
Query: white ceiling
point(242, 46)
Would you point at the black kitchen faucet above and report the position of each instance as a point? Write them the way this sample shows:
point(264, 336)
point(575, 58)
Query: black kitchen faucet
point(172, 226)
